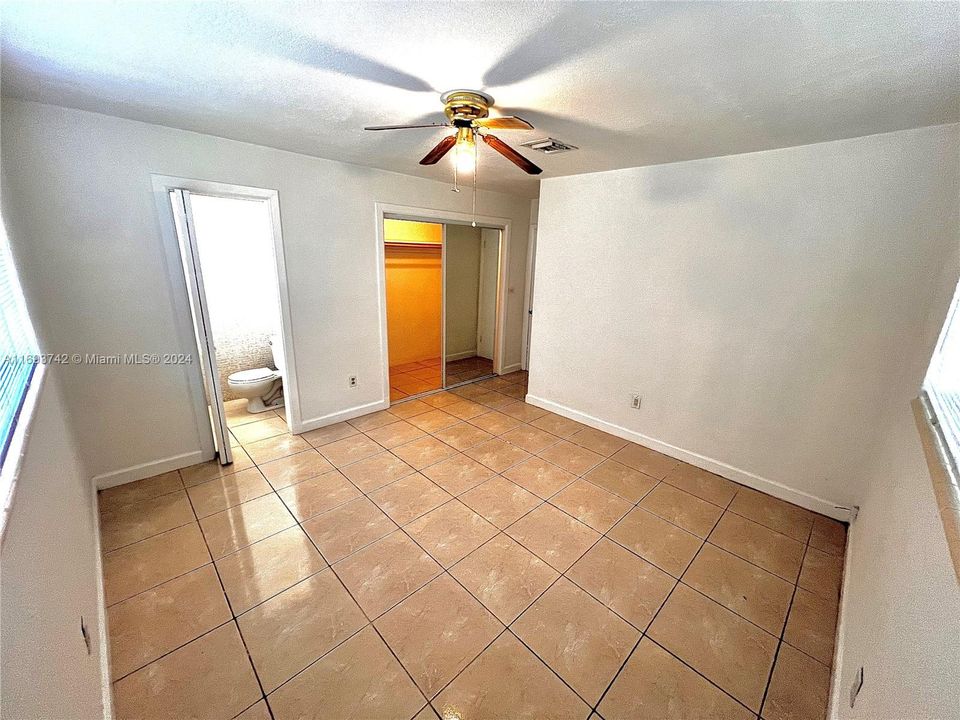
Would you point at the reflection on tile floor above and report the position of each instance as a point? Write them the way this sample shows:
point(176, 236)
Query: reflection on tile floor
point(414, 378)
point(464, 556)
point(466, 369)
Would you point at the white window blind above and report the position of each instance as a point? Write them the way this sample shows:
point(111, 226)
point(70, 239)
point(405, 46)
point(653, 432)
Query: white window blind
point(18, 347)
point(942, 383)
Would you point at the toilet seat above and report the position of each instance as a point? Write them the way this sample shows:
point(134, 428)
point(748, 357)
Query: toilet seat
point(250, 377)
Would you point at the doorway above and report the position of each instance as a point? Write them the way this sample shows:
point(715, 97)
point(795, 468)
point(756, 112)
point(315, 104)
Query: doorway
point(413, 271)
point(442, 311)
point(231, 264)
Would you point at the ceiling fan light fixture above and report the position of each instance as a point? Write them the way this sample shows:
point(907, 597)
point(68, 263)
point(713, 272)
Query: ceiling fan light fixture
point(465, 155)
point(468, 112)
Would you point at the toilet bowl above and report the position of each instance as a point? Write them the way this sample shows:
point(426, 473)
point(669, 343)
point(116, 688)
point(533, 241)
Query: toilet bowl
point(262, 387)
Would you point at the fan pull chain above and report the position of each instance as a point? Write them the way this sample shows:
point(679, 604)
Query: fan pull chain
point(476, 167)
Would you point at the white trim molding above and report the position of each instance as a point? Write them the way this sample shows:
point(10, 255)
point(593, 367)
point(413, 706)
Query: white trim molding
point(149, 469)
point(462, 355)
point(106, 675)
point(341, 415)
point(744, 477)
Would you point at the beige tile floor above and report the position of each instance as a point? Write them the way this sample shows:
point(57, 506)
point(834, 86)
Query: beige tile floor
point(414, 378)
point(463, 556)
point(466, 369)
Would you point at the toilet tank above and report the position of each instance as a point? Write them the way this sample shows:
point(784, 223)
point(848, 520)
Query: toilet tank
point(276, 347)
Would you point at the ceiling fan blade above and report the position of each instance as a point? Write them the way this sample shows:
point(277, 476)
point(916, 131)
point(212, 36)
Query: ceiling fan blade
point(508, 122)
point(512, 155)
point(442, 148)
point(406, 127)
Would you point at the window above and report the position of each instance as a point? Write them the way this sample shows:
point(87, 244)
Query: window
point(18, 347)
point(942, 383)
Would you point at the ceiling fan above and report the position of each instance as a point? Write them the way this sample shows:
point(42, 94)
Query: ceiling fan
point(468, 112)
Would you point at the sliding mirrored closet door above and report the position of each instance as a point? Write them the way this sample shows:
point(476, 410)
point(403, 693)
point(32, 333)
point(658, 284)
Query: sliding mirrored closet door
point(471, 276)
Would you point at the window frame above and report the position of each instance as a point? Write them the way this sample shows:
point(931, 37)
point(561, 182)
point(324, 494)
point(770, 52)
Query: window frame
point(13, 448)
point(944, 422)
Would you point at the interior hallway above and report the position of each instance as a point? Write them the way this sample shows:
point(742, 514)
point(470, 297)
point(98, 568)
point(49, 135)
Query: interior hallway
point(458, 556)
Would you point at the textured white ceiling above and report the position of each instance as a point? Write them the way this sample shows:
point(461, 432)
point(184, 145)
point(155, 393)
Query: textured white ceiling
point(629, 83)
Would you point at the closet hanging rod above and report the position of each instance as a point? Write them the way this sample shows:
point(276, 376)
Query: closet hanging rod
point(400, 243)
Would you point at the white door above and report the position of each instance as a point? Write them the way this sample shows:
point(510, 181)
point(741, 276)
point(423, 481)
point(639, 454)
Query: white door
point(487, 301)
point(207, 353)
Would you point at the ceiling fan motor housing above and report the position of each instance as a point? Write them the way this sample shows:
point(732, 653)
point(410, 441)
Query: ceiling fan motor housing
point(464, 106)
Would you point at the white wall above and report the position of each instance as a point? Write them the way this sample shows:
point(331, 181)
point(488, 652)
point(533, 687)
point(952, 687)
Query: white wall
point(50, 553)
point(83, 186)
point(901, 601)
point(461, 286)
point(50, 574)
point(759, 303)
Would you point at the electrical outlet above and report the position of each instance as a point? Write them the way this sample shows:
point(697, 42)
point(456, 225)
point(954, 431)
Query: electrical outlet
point(352, 381)
point(855, 687)
point(635, 401)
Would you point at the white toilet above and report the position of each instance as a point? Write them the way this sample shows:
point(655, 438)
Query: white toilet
point(262, 387)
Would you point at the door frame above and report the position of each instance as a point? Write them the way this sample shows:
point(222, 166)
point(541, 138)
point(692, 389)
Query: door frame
point(162, 185)
point(528, 297)
point(384, 211)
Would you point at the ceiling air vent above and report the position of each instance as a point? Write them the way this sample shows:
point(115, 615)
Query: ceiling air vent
point(549, 146)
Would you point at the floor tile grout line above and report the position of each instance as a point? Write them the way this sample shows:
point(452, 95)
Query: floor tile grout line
point(601, 536)
point(783, 630)
point(616, 675)
point(730, 610)
point(152, 535)
point(196, 519)
point(346, 589)
point(226, 599)
point(371, 622)
point(693, 668)
point(274, 491)
point(506, 626)
point(130, 503)
point(676, 581)
point(173, 650)
point(154, 587)
point(233, 614)
point(646, 634)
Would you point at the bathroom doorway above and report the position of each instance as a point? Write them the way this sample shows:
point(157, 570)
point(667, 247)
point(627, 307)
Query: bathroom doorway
point(231, 262)
point(442, 291)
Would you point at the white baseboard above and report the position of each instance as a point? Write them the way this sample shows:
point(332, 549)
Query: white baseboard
point(837, 698)
point(148, 469)
point(744, 477)
point(461, 355)
point(106, 688)
point(511, 368)
point(340, 416)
